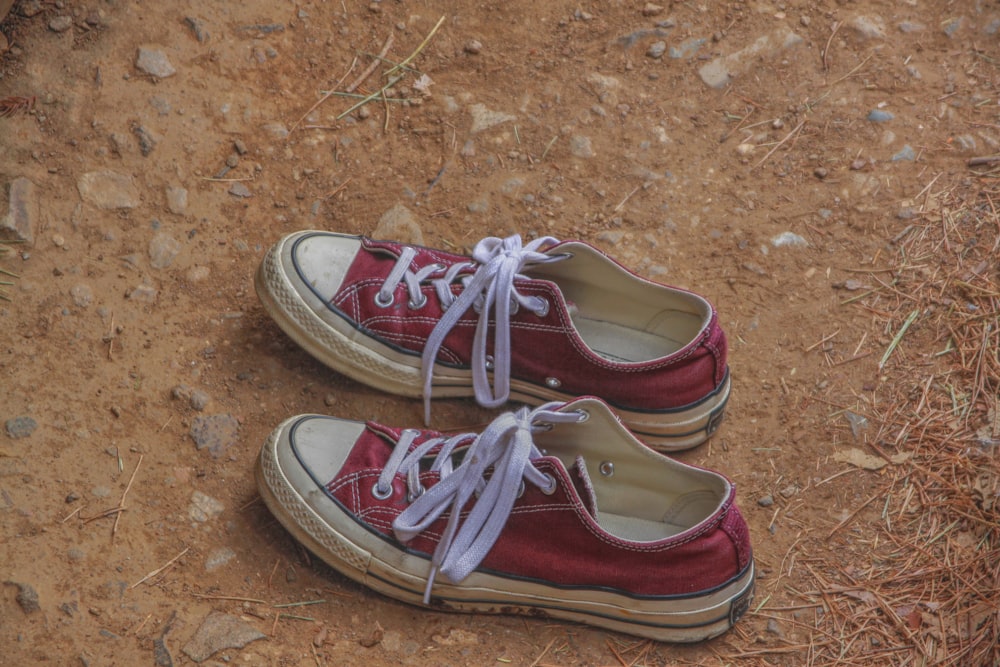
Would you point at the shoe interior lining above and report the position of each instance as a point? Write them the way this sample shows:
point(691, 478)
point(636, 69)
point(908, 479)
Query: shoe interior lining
point(648, 497)
point(615, 315)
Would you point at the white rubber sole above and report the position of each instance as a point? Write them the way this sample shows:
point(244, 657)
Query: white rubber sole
point(337, 343)
point(368, 558)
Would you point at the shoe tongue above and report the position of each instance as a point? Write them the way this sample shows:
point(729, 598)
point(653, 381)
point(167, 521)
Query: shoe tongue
point(584, 488)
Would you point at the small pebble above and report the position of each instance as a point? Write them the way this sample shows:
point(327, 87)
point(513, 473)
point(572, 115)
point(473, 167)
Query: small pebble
point(199, 400)
point(240, 190)
point(880, 116)
point(765, 501)
point(20, 427)
point(473, 47)
point(820, 172)
point(61, 23)
point(27, 597)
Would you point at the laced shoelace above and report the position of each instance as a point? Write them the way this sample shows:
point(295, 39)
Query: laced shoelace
point(490, 290)
point(505, 450)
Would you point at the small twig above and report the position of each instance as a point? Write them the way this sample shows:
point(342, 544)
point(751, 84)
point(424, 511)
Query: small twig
point(859, 66)
point(142, 625)
point(368, 98)
point(850, 517)
point(898, 337)
point(228, 597)
point(418, 50)
point(823, 340)
point(325, 97)
point(542, 654)
point(826, 49)
point(297, 604)
point(979, 161)
point(70, 515)
point(161, 569)
point(371, 67)
point(101, 515)
point(338, 189)
point(226, 180)
point(627, 197)
point(778, 145)
point(121, 503)
point(548, 146)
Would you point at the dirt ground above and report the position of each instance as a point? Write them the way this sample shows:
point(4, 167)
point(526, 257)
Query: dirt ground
point(170, 143)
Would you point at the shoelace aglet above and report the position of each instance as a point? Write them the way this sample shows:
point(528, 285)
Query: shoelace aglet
point(430, 584)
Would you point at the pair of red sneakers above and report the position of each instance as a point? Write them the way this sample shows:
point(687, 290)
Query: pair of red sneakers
point(563, 509)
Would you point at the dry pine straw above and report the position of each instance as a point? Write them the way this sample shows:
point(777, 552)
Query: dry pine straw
point(928, 592)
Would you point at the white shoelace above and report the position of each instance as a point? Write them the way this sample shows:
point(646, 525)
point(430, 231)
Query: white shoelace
point(507, 447)
point(490, 290)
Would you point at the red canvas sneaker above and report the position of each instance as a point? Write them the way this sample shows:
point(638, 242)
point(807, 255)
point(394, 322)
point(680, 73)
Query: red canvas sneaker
point(558, 511)
point(537, 322)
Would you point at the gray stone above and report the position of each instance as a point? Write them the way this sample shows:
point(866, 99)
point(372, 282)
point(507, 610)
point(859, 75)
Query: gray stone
point(869, 27)
point(61, 23)
point(790, 239)
point(277, 130)
point(656, 50)
point(481, 205)
point(199, 400)
point(580, 146)
point(204, 507)
point(483, 118)
point(512, 185)
point(399, 224)
point(27, 597)
point(146, 141)
point(765, 501)
point(906, 154)
point(161, 104)
point(163, 249)
point(154, 62)
point(108, 190)
point(23, 212)
point(217, 433)
point(688, 49)
point(31, 8)
point(198, 28)
point(217, 632)
point(177, 199)
point(219, 557)
point(612, 237)
point(143, 294)
point(240, 190)
point(720, 71)
point(161, 654)
point(20, 427)
point(879, 116)
point(82, 295)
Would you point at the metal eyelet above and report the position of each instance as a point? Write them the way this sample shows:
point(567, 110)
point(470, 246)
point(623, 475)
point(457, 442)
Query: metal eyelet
point(584, 415)
point(379, 301)
point(489, 362)
point(379, 495)
point(607, 468)
point(551, 488)
point(552, 383)
point(544, 309)
point(414, 305)
point(410, 497)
